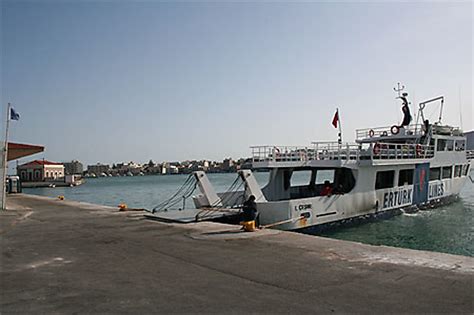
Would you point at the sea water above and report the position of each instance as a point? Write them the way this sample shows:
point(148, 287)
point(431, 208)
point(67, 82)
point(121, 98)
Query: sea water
point(448, 229)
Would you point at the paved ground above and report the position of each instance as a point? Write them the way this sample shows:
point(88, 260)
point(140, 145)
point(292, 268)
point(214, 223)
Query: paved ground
point(69, 257)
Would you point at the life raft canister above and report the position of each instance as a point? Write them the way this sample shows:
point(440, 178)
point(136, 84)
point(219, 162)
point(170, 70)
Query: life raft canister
point(395, 130)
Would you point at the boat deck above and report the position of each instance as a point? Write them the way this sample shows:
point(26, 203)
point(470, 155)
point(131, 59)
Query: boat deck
point(335, 154)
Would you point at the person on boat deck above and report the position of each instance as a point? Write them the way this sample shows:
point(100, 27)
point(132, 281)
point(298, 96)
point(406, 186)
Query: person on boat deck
point(406, 112)
point(249, 209)
point(327, 189)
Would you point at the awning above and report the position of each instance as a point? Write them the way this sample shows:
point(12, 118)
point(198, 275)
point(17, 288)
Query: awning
point(19, 150)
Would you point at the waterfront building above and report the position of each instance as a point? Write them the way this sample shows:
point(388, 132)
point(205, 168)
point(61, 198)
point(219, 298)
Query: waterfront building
point(40, 170)
point(98, 169)
point(130, 167)
point(155, 169)
point(73, 168)
point(170, 168)
point(173, 169)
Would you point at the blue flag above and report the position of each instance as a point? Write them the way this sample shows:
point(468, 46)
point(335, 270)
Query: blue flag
point(14, 115)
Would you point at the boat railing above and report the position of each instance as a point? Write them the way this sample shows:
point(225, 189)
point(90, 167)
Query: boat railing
point(416, 129)
point(318, 151)
point(470, 155)
point(400, 151)
point(315, 151)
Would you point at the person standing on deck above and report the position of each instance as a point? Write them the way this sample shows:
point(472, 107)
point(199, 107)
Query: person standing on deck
point(406, 112)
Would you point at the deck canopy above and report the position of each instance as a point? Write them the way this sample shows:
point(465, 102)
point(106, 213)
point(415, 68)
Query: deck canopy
point(19, 150)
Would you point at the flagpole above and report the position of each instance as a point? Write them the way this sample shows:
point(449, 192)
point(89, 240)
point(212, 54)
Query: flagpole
point(340, 127)
point(5, 161)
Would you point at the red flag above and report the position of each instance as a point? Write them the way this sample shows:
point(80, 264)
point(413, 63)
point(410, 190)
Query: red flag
point(335, 120)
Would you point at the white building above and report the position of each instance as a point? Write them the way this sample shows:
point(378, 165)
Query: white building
point(40, 170)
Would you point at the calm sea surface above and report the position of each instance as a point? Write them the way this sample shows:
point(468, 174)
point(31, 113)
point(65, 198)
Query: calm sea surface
point(448, 229)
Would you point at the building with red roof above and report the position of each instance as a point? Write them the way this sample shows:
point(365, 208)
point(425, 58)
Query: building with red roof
point(41, 170)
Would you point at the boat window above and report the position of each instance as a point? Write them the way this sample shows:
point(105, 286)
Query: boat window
point(344, 180)
point(465, 169)
point(384, 179)
point(305, 183)
point(324, 175)
point(435, 173)
point(450, 145)
point(447, 170)
point(300, 178)
point(432, 142)
point(441, 145)
point(460, 145)
point(458, 171)
point(405, 177)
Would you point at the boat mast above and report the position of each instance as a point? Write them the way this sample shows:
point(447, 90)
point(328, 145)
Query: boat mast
point(399, 88)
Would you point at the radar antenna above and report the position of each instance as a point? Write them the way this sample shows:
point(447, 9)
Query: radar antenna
point(399, 89)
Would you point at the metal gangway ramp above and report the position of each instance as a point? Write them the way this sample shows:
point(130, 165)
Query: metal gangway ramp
point(208, 205)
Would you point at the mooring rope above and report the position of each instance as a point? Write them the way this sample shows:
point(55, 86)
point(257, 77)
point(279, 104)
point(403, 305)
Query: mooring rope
point(231, 195)
point(186, 190)
point(221, 204)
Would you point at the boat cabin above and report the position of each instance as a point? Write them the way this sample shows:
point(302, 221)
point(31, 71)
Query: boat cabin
point(306, 182)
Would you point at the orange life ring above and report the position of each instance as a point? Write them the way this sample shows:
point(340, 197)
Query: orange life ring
point(376, 148)
point(371, 133)
point(395, 130)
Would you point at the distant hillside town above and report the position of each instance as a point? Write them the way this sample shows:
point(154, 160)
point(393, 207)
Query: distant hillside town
point(165, 168)
point(43, 170)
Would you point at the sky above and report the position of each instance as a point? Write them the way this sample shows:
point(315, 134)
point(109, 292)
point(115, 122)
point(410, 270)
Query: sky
point(112, 81)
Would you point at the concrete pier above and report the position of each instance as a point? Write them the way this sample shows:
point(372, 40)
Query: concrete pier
point(70, 257)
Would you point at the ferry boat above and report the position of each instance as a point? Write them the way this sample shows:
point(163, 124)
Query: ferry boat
point(386, 171)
